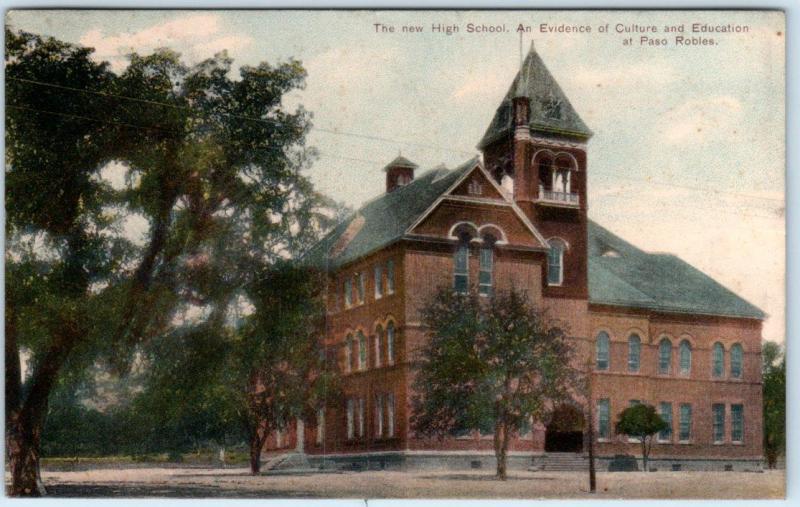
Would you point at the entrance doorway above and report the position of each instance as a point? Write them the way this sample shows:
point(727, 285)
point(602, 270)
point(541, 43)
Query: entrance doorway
point(565, 430)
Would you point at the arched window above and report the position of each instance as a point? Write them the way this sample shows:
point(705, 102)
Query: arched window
point(390, 343)
point(634, 352)
point(461, 265)
point(555, 262)
point(602, 351)
point(685, 350)
point(718, 362)
point(486, 266)
point(362, 351)
point(348, 353)
point(664, 356)
point(737, 356)
point(378, 346)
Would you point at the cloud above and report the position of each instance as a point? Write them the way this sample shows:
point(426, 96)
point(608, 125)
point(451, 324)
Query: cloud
point(698, 121)
point(195, 36)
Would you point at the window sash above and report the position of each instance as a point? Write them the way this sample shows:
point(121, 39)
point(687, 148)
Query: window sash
point(555, 261)
point(378, 273)
point(348, 293)
point(362, 351)
point(736, 361)
point(390, 343)
point(461, 268)
point(664, 356)
point(718, 410)
point(361, 417)
point(361, 286)
point(378, 339)
point(602, 351)
point(603, 411)
point(485, 273)
point(390, 277)
point(665, 411)
point(350, 418)
point(390, 415)
point(719, 360)
point(378, 416)
point(634, 352)
point(685, 422)
point(737, 423)
point(685, 358)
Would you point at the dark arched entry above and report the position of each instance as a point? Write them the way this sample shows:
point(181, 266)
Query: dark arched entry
point(564, 430)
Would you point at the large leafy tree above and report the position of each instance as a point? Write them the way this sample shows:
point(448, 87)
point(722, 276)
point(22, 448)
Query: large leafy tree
point(774, 382)
point(213, 166)
point(642, 422)
point(492, 365)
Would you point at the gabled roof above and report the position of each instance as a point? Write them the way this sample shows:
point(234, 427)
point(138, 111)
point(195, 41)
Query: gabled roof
point(536, 83)
point(387, 217)
point(622, 275)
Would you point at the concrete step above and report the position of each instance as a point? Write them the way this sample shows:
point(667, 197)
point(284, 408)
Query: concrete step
point(560, 462)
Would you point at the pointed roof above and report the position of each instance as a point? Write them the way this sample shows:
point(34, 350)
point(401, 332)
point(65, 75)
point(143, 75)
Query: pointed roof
point(550, 110)
point(401, 161)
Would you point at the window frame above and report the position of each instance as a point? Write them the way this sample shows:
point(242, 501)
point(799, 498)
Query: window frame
point(634, 341)
point(718, 360)
point(377, 346)
point(685, 345)
point(737, 407)
point(666, 435)
point(378, 423)
point(348, 353)
point(661, 349)
point(377, 273)
point(390, 342)
point(606, 339)
point(363, 355)
point(390, 277)
point(350, 418)
point(556, 244)
point(718, 423)
point(390, 415)
point(603, 419)
point(685, 421)
point(461, 265)
point(737, 358)
point(486, 268)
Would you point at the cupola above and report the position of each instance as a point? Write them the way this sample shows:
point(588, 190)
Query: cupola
point(399, 173)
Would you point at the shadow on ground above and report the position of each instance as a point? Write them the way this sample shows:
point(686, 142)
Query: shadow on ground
point(163, 491)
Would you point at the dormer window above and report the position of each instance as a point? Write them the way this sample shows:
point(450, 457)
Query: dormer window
point(555, 262)
point(553, 108)
point(475, 187)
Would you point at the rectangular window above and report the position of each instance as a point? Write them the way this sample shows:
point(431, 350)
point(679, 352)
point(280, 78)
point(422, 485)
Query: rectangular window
point(377, 341)
point(390, 415)
point(390, 343)
point(718, 410)
point(378, 281)
point(378, 416)
point(685, 423)
point(348, 292)
point(351, 409)
point(461, 268)
point(320, 425)
point(603, 426)
point(737, 423)
point(485, 273)
point(390, 277)
point(362, 282)
point(362, 351)
point(665, 411)
point(361, 417)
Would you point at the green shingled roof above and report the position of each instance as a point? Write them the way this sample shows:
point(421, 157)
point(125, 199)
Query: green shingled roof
point(622, 275)
point(619, 273)
point(387, 217)
point(550, 111)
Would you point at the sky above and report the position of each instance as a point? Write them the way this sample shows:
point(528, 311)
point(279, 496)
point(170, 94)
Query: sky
point(688, 150)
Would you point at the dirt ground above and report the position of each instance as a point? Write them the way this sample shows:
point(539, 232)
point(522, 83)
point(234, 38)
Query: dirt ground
point(237, 483)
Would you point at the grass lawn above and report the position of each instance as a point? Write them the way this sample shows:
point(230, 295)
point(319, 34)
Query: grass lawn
point(237, 483)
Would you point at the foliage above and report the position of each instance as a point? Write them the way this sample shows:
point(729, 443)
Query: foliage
point(212, 165)
point(774, 386)
point(641, 421)
point(489, 365)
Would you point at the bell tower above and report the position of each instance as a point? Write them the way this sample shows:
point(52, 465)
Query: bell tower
point(538, 139)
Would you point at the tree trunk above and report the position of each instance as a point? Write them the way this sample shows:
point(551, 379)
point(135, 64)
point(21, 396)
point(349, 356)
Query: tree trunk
point(257, 439)
point(22, 447)
point(501, 449)
point(644, 454)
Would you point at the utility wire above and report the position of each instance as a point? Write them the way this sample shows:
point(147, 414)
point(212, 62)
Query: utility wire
point(348, 134)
